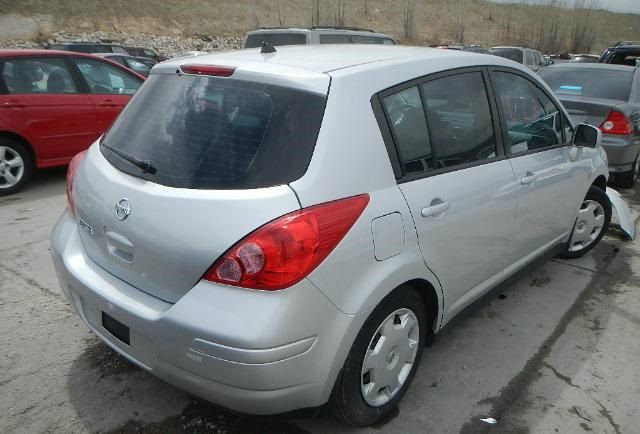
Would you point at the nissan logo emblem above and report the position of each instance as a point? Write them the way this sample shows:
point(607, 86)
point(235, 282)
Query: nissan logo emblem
point(123, 209)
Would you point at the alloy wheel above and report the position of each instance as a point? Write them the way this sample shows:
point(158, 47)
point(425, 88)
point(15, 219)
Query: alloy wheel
point(11, 167)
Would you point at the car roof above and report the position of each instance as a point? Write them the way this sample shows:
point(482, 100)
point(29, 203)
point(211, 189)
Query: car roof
point(325, 58)
point(606, 66)
point(318, 29)
point(30, 52)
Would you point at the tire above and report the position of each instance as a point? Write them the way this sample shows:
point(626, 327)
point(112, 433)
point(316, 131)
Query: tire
point(588, 230)
point(397, 311)
point(16, 166)
point(628, 179)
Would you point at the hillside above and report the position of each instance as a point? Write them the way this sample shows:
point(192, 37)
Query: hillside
point(435, 21)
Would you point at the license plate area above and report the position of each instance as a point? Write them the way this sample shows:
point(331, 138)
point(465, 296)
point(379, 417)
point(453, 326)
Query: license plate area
point(116, 328)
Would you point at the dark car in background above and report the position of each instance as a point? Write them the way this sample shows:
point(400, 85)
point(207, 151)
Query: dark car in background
point(526, 56)
point(607, 96)
point(138, 65)
point(146, 52)
point(53, 105)
point(89, 47)
point(623, 53)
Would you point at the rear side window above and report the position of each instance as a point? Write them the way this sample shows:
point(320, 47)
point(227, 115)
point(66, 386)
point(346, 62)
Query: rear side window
point(590, 82)
point(529, 57)
point(46, 75)
point(106, 79)
point(514, 54)
point(625, 57)
point(447, 124)
point(275, 39)
point(459, 118)
point(361, 39)
point(335, 39)
point(216, 133)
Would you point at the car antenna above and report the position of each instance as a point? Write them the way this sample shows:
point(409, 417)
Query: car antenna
point(267, 48)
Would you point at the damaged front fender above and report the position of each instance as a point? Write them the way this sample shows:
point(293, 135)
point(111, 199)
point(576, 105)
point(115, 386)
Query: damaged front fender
point(623, 211)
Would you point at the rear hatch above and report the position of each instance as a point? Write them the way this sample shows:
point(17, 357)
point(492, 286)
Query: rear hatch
point(192, 165)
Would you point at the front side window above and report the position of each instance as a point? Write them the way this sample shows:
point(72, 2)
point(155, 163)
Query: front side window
point(532, 119)
point(459, 119)
point(105, 79)
point(46, 75)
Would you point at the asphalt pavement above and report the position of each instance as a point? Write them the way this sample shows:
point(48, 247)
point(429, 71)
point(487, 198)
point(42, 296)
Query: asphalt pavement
point(557, 352)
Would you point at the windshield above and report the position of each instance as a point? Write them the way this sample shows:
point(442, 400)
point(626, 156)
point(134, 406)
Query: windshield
point(255, 40)
point(216, 133)
point(589, 82)
point(514, 54)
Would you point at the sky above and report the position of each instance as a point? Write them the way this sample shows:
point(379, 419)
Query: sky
point(632, 6)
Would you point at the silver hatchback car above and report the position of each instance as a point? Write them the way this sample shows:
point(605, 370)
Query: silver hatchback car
point(277, 231)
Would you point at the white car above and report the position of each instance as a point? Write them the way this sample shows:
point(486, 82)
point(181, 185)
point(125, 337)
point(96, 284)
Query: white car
point(282, 230)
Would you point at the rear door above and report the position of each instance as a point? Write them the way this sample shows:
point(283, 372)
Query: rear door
point(550, 173)
point(110, 88)
point(459, 188)
point(44, 104)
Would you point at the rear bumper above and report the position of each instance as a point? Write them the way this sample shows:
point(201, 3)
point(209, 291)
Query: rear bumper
point(621, 152)
point(251, 351)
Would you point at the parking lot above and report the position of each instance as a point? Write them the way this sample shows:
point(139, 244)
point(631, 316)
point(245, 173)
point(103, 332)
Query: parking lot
point(557, 352)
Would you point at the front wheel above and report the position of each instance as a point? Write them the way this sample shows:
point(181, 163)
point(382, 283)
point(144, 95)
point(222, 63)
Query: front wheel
point(15, 166)
point(591, 224)
point(383, 360)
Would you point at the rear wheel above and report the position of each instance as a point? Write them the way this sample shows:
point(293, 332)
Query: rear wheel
point(16, 166)
point(383, 360)
point(628, 179)
point(591, 224)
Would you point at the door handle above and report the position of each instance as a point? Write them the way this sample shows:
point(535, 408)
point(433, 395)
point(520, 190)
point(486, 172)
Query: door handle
point(437, 207)
point(529, 178)
point(108, 103)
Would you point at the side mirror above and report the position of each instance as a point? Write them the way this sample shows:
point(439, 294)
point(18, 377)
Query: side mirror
point(586, 136)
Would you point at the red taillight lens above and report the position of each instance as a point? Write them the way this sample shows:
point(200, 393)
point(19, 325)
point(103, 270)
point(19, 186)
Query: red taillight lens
point(71, 173)
point(214, 70)
point(616, 123)
point(286, 250)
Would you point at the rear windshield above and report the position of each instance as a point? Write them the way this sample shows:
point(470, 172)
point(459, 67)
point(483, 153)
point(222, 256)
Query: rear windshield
point(275, 39)
point(589, 82)
point(514, 54)
point(215, 133)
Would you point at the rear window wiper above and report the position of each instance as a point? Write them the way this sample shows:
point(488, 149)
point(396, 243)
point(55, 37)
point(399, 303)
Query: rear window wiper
point(146, 165)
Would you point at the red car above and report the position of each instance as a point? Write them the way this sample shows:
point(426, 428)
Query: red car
point(54, 104)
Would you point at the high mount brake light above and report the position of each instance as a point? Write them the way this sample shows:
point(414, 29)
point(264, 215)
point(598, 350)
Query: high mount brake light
point(71, 173)
point(213, 70)
point(284, 251)
point(616, 123)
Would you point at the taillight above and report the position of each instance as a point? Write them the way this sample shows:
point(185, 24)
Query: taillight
point(71, 173)
point(284, 251)
point(616, 123)
point(213, 70)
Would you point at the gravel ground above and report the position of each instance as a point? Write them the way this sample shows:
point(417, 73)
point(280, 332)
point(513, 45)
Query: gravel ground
point(167, 45)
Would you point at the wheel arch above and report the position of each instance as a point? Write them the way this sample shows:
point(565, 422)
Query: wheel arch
point(18, 138)
point(430, 299)
point(600, 182)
